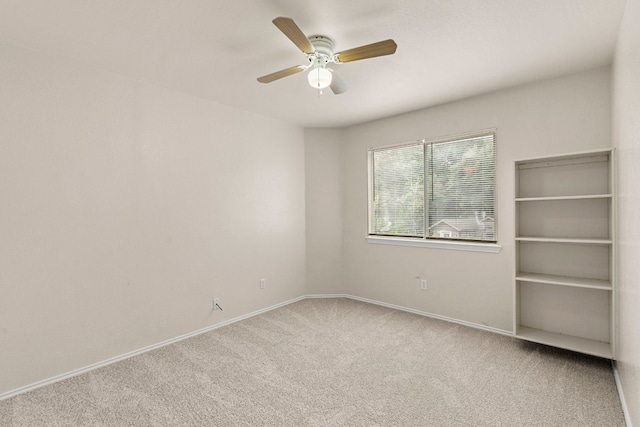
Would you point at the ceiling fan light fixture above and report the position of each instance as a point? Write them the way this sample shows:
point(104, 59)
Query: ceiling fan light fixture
point(319, 78)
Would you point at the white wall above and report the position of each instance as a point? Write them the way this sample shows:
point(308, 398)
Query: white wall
point(323, 160)
point(126, 207)
point(561, 115)
point(626, 131)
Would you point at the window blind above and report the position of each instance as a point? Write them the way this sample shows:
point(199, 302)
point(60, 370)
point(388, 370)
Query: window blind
point(461, 188)
point(440, 190)
point(398, 191)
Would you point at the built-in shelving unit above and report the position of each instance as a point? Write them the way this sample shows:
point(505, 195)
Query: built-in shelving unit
point(565, 251)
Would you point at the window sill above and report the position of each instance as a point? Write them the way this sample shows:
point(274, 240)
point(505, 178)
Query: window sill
point(435, 244)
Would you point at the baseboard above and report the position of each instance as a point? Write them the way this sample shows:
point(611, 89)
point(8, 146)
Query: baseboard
point(115, 359)
point(311, 296)
point(434, 316)
point(623, 402)
point(20, 390)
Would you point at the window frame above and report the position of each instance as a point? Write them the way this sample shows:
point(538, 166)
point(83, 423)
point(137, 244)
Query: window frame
point(426, 241)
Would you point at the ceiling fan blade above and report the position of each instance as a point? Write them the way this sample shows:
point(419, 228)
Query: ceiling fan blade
point(280, 74)
point(291, 30)
point(337, 85)
point(386, 47)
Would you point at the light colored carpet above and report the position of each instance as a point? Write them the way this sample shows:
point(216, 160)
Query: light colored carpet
point(334, 362)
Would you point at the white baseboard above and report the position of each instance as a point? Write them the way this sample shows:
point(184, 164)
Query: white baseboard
point(433, 316)
point(115, 359)
point(623, 402)
point(311, 296)
point(75, 372)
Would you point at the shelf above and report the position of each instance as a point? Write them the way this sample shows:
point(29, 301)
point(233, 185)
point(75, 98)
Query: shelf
point(583, 345)
point(577, 282)
point(552, 198)
point(581, 241)
point(565, 214)
point(592, 155)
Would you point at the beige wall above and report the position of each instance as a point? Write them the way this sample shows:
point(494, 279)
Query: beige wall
point(323, 160)
point(126, 207)
point(561, 115)
point(626, 131)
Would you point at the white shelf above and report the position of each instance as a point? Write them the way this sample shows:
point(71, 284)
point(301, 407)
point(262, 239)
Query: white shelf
point(565, 215)
point(553, 198)
point(583, 345)
point(577, 282)
point(575, 240)
point(577, 156)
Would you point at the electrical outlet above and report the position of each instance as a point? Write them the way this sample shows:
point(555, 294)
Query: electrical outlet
point(423, 284)
point(216, 302)
point(263, 283)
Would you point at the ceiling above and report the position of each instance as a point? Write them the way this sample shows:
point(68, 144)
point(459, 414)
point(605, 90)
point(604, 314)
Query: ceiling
point(215, 49)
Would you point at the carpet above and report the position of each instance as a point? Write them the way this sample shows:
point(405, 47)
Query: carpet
point(333, 362)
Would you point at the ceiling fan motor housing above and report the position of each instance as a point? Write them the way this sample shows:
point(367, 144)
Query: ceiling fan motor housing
point(323, 50)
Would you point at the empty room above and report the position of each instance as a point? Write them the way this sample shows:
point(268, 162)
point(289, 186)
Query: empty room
point(337, 213)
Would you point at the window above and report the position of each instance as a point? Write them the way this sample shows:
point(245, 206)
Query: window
point(441, 189)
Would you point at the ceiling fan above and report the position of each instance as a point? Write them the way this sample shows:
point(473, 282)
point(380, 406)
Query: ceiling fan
point(319, 52)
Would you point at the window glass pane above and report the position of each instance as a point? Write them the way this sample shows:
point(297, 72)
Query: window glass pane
point(435, 190)
point(461, 189)
point(397, 204)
